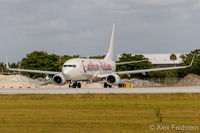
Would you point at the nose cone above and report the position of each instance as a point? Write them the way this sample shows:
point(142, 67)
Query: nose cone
point(66, 73)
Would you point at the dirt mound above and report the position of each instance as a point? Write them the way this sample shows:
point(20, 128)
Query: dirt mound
point(190, 80)
point(17, 81)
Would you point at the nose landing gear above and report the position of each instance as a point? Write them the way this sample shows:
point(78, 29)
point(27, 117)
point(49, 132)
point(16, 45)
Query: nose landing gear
point(75, 85)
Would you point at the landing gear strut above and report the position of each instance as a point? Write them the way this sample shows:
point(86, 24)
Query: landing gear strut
point(107, 85)
point(75, 85)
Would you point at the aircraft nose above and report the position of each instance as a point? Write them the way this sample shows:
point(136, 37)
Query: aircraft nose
point(66, 73)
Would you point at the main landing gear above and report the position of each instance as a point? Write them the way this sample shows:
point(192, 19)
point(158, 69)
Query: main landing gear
point(75, 85)
point(107, 85)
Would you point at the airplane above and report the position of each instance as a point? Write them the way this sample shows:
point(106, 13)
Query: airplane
point(78, 69)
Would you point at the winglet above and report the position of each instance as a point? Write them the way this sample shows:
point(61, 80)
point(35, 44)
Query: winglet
point(192, 60)
point(7, 66)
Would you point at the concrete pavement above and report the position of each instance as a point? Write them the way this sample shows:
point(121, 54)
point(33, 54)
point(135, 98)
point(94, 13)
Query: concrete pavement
point(191, 89)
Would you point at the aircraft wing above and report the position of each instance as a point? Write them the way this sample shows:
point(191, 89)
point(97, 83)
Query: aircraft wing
point(129, 62)
point(31, 71)
point(155, 69)
point(150, 70)
point(104, 75)
point(140, 71)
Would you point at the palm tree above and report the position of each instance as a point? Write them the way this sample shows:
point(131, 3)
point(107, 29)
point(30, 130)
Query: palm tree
point(173, 58)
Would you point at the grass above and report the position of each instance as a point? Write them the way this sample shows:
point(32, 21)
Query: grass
point(96, 113)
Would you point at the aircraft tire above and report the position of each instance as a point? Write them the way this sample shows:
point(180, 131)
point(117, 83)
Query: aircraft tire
point(74, 85)
point(105, 85)
point(79, 85)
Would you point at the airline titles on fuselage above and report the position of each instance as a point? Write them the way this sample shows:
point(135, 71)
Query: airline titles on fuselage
point(103, 66)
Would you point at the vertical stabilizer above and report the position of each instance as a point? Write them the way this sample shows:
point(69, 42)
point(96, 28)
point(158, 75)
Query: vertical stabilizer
point(109, 55)
point(7, 66)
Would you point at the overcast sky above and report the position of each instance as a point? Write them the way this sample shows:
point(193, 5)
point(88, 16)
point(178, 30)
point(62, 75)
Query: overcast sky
point(84, 26)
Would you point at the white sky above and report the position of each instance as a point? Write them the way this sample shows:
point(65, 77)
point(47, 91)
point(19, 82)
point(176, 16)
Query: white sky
point(84, 26)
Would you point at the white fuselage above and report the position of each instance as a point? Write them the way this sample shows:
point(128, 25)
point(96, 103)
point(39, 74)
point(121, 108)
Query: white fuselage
point(86, 69)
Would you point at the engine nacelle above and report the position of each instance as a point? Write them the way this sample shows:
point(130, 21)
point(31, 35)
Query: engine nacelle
point(58, 79)
point(113, 79)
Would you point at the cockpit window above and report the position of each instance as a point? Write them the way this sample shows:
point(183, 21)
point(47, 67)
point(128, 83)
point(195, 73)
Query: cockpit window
point(69, 66)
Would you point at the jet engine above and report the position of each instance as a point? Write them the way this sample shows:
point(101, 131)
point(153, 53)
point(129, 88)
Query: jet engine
point(59, 79)
point(113, 79)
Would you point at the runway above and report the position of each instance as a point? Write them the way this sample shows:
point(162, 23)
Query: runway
point(192, 89)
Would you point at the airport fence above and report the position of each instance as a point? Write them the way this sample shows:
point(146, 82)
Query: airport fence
point(165, 81)
point(173, 82)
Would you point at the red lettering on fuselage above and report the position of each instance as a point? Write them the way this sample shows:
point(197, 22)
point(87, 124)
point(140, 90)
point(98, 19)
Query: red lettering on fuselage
point(92, 67)
point(83, 66)
point(105, 67)
point(102, 66)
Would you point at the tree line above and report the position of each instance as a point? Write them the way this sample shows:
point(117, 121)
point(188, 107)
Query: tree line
point(40, 60)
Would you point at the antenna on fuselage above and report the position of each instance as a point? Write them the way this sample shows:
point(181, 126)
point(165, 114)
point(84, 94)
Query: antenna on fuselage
point(109, 55)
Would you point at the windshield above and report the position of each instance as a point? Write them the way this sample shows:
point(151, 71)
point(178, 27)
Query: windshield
point(69, 66)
